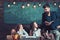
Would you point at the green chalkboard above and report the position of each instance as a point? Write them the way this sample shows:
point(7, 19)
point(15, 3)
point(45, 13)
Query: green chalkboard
point(15, 14)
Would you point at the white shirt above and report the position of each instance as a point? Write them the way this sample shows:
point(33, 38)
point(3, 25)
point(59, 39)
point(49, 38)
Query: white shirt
point(37, 33)
point(23, 32)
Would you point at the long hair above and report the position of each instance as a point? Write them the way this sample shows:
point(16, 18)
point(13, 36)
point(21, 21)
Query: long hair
point(32, 28)
point(17, 27)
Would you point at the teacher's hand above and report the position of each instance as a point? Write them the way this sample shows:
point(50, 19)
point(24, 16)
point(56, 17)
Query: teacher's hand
point(58, 27)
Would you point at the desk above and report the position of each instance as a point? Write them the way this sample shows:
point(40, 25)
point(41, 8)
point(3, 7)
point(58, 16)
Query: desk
point(30, 38)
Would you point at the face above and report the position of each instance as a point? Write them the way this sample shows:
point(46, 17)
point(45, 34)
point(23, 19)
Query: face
point(35, 25)
point(47, 9)
point(20, 26)
point(13, 31)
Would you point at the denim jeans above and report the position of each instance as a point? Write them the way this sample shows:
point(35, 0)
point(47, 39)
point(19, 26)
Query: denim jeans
point(57, 34)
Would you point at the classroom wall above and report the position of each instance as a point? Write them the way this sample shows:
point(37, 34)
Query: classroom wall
point(15, 14)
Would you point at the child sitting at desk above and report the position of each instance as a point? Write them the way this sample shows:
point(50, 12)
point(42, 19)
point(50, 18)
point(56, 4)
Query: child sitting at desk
point(21, 31)
point(13, 36)
point(35, 31)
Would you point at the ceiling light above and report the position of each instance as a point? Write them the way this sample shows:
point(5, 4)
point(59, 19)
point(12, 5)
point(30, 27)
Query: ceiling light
point(8, 5)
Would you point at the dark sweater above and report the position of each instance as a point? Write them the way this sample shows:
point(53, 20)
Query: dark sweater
point(53, 17)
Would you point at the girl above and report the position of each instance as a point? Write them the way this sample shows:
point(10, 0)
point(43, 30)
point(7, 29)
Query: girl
point(35, 31)
point(21, 31)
